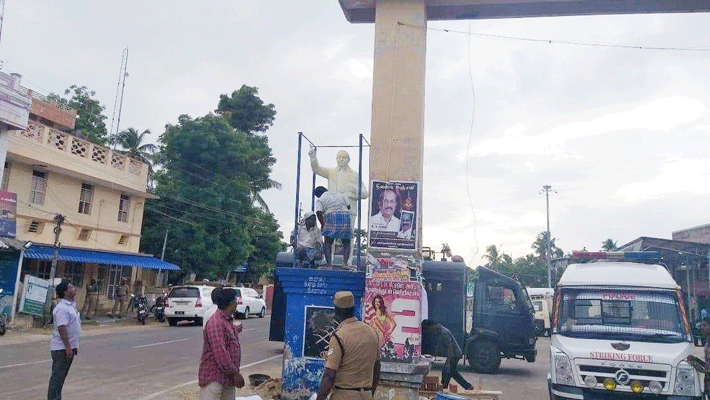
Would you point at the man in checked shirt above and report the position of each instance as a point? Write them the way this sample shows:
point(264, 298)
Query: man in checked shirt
point(219, 375)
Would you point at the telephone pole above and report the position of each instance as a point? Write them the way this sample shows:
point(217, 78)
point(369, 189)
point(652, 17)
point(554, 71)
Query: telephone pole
point(548, 253)
point(58, 221)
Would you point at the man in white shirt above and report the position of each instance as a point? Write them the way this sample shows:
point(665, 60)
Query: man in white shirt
point(309, 248)
point(333, 214)
point(64, 344)
point(385, 221)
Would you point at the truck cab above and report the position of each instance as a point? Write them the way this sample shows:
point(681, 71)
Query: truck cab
point(491, 317)
point(541, 299)
point(620, 330)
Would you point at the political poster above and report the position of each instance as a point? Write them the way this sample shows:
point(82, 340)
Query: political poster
point(8, 210)
point(392, 308)
point(393, 215)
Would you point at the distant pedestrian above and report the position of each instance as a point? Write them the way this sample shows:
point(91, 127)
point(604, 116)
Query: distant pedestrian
point(64, 344)
point(439, 341)
point(120, 299)
point(92, 291)
point(218, 375)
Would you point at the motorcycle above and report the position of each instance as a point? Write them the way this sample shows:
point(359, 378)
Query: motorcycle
point(158, 309)
point(141, 305)
point(2, 317)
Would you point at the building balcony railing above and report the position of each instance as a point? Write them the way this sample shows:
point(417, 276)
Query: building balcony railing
point(100, 157)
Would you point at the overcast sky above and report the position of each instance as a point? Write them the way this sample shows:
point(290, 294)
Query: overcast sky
point(622, 135)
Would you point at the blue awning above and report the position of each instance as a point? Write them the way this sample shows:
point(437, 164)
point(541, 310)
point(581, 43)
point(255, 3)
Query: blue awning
point(39, 252)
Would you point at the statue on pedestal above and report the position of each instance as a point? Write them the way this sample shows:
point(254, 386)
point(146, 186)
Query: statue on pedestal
point(341, 179)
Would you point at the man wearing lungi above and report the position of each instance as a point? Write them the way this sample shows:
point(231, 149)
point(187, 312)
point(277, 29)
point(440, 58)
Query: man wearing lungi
point(334, 217)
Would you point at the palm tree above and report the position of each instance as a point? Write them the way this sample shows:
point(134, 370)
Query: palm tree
point(609, 245)
point(540, 246)
point(132, 143)
point(496, 258)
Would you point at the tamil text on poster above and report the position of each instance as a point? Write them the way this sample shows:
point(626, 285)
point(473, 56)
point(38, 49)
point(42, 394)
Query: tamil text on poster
point(393, 215)
point(392, 308)
point(8, 209)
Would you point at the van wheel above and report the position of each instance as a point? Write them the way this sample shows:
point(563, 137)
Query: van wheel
point(198, 321)
point(246, 313)
point(484, 356)
point(262, 314)
point(172, 321)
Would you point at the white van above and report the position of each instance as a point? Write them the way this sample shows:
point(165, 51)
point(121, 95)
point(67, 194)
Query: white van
point(620, 330)
point(541, 299)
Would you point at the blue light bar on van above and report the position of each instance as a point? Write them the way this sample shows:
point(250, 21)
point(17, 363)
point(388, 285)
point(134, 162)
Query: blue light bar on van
point(616, 255)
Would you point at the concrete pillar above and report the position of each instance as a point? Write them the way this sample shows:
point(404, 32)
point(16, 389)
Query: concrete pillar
point(397, 131)
point(397, 135)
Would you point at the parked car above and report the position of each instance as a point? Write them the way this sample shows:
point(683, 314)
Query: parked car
point(188, 302)
point(249, 301)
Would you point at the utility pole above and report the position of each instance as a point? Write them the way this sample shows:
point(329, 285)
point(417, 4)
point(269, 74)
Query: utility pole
point(548, 253)
point(58, 221)
point(162, 256)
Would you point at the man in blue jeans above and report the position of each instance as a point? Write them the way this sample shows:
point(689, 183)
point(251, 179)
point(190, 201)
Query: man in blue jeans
point(64, 344)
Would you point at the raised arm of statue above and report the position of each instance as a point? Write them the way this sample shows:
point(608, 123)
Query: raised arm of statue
point(317, 169)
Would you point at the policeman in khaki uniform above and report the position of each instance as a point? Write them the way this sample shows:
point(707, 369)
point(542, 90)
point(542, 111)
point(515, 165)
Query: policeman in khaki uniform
point(352, 367)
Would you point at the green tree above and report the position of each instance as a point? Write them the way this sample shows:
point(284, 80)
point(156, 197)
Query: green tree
point(245, 111)
point(208, 173)
point(133, 145)
point(540, 246)
point(609, 245)
point(90, 119)
point(495, 258)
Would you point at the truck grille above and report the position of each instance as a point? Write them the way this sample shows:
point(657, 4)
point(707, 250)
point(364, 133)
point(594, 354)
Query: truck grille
point(644, 373)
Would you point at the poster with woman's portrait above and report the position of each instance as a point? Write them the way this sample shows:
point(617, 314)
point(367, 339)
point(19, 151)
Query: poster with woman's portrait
point(392, 308)
point(393, 215)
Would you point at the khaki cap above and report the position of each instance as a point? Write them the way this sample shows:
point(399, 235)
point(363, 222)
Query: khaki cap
point(344, 299)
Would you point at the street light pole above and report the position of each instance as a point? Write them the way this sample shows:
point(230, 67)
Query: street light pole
point(58, 220)
point(548, 252)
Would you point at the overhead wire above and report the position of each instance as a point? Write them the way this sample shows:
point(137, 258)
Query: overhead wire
point(565, 42)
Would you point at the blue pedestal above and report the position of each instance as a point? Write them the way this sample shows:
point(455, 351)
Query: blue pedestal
point(309, 306)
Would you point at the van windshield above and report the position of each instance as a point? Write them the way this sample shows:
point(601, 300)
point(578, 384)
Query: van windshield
point(647, 316)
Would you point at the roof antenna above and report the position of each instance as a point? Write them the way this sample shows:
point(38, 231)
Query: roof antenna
point(120, 86)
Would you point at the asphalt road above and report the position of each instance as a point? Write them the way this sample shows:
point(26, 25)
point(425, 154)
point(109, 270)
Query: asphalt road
point(141, 362)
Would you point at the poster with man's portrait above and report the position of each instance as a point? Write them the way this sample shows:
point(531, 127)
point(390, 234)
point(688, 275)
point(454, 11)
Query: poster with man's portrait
point(393, 215)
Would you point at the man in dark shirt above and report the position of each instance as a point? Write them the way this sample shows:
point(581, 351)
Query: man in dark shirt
point(440, 342)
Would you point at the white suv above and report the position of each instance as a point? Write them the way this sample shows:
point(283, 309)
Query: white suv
point(250, 302)
point(188, 302)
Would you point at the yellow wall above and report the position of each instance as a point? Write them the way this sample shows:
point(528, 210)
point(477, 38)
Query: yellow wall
point(65, 174)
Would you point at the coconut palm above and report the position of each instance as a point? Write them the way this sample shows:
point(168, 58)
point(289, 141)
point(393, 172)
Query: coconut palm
point(609, 245)
point(495, 258)
point(134, 146)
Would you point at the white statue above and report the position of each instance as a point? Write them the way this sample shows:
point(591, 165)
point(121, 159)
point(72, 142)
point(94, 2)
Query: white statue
point(341, 179)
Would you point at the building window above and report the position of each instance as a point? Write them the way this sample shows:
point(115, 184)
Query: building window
point(5, 177)
point(72, 273)
point(123, 206)
point(87, 193)
point(123, 239)
point(43, 269)
point(35, 227)
point(37, 187)
point(84, 234)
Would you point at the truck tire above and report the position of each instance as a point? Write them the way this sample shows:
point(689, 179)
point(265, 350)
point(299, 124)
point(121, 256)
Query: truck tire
point(484, 356)
point(172, 321)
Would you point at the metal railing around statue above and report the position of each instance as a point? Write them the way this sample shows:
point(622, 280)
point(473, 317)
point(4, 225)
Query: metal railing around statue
point(360, 146)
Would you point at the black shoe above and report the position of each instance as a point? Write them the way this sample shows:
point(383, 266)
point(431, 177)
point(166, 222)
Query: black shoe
point(110, 315)
point(468, 387)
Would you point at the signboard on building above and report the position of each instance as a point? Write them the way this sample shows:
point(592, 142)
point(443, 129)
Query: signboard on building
point(8, 210)
point(393, 215)
point(33, 295)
